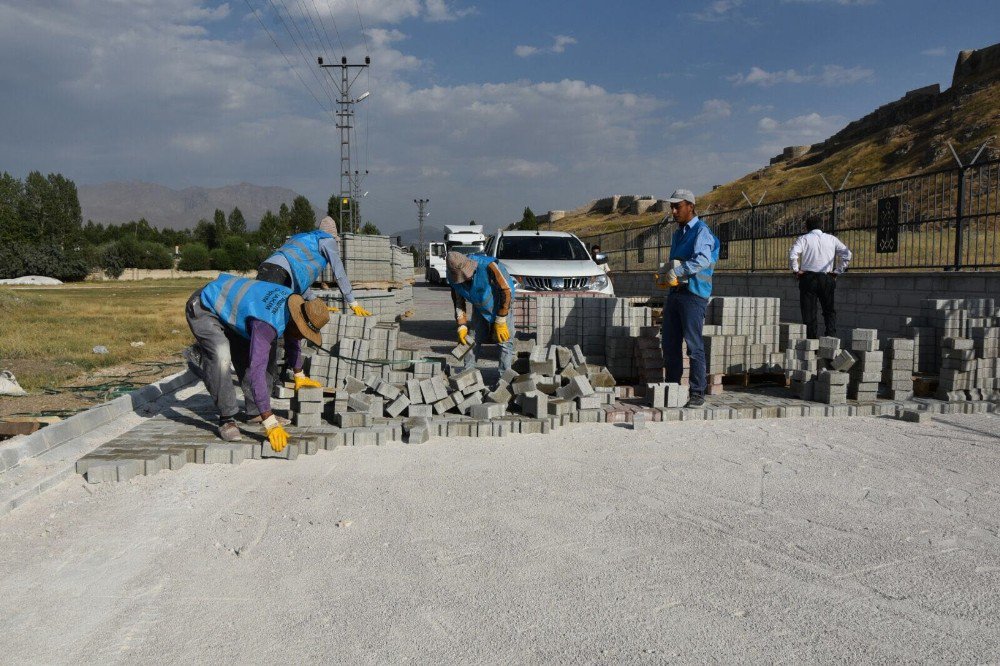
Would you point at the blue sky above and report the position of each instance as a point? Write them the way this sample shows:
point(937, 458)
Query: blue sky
point(483, 107)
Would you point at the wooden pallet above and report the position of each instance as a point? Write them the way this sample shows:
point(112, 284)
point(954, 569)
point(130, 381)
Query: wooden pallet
point(755, 379)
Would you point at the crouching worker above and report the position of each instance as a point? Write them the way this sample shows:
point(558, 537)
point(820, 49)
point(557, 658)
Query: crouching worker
point(237, 320)
point(482, 281)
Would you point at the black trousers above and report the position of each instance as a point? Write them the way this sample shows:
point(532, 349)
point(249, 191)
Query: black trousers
point(817, 287)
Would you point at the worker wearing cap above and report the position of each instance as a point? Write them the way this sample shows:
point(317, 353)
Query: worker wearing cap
point(817, 259)
point(238, 320)
point(484, 282)
point(299, 263)
point(694, 251)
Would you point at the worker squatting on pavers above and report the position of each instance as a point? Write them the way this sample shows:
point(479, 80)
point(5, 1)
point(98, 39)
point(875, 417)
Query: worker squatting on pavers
point(238, 321)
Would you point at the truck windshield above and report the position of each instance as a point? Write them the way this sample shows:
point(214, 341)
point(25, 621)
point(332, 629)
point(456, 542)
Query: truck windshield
point(559, 248)
point(466, 249)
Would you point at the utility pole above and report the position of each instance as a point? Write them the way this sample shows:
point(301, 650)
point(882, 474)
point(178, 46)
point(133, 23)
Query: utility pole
point(421, 251)
point(345, 123)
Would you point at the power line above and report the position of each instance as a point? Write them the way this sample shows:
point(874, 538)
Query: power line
point(364, 34)
point(304, 7)
point(287, 60)
point(305, 59)
point(343, 50)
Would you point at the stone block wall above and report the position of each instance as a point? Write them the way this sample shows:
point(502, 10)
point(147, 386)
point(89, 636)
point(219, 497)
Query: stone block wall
point(864, 300)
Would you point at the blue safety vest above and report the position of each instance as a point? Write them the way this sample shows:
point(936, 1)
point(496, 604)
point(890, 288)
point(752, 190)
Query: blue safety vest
point(682, 249)
point(479, 291)
point(235, 300)
point(305, 258)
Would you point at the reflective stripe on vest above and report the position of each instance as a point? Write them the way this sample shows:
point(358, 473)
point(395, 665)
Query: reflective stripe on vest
point(305, 258)
point(235, 300)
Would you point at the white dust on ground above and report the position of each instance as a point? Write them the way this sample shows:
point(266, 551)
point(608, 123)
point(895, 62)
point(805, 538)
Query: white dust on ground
point(792, 540)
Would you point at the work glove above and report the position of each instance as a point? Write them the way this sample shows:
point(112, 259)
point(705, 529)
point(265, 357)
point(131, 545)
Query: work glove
point(463, 331)
point(301, 381)
point(500, 329)
point(359, 311)
point(276, 435)
point(330, 308)
point(668, 279)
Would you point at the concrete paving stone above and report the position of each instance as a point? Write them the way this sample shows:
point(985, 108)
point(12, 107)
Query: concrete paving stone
point(420, 410)
point(418, 435)
point(460, 351)
point(307, 420)
point(290, 452)
point(228, 453)
point(396, 407)
point(488, 410)
point(638, 421)
point(531, 427)
point(534, 404)
point(589, 402)
point(283, 392)
point(442, 406)
point(307, 407)
point(500, 395)
point(559, 406)
point(360, 402)
point(463, 406)
point(914, 416)
point(352, 419)
point(113, 471)
point(696, 414)
point(413, 392)
point(309, 394)
point(466, 379)
point(590, 415)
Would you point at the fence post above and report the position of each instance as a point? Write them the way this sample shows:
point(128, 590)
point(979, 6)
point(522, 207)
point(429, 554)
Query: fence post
point(833, 213)
point(659, 245)
point(625, 247)
point(753, 239)
point(958, 219)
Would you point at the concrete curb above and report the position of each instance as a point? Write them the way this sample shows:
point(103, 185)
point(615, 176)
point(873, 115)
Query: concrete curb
point(31, 464)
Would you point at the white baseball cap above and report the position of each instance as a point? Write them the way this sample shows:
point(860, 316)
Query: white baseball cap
point(682, 195)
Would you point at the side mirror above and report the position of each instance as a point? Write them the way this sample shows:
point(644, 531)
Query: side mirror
point(600, 259)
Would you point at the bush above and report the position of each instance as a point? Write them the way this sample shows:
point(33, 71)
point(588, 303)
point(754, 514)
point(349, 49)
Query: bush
point(220, 259)
point(19, 259)
point(113, 260)
point(153, 255)
point(240, 255)
point(194, 257)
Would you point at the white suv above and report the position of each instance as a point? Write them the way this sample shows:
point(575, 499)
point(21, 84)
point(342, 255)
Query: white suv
point(550, 261)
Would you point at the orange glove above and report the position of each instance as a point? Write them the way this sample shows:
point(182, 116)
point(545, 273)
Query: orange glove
point(463, 331)
point(301, 381)
point(500, 329)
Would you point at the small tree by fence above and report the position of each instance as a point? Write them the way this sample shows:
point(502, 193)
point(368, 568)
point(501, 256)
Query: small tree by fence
point(942, 220)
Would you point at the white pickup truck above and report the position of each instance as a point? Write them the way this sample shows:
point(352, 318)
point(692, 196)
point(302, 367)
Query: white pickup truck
point(550, 261)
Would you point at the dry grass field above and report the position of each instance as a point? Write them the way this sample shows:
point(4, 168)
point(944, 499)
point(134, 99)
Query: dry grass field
point(48, 335)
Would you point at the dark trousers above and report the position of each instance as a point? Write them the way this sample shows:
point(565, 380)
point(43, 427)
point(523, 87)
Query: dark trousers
point(813, 287)
point(683, 321)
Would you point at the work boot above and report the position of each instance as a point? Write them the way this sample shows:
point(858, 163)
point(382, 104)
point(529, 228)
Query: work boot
point(696, 400)
point(230, 432)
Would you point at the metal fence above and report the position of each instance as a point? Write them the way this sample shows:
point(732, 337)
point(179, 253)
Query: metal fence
point(948, 219)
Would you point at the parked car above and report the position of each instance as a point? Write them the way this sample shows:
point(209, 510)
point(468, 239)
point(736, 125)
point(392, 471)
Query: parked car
point(550, 261)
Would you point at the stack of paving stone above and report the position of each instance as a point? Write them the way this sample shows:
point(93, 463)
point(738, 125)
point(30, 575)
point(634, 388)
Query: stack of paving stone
point(897, 374)
point(866, 372)
point(947, 318)
point(307, 407)
point(831, 387)
point(663, 395)
point(402, 265)
point(649, 356)
point(965, 375)
point(817, 369)
point(604, 328)
point(382, 303)
point(743, 334)
point(367, 258)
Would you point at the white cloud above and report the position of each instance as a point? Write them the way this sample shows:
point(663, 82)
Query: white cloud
point(760, 108)
point(936, 52)
point(846, 3)
point(559, 44)
point(829, 75)
point(718, 10)
point(518, 167)
point(711, 110)
point(438, 10)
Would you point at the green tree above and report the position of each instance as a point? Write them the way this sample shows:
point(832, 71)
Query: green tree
point(271, 233)
point(194, 257)
point(241, 256)
point(528, 221)
point(237, 224)
point(369, 229)
point(205, 233)
point(302, 216)
point(221, 226)
point(220, 259)
point(11, 191)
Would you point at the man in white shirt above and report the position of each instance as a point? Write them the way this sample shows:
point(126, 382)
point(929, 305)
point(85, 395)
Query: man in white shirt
point(816, 260)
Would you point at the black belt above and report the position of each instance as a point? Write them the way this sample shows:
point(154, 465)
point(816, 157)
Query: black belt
point(680, 289)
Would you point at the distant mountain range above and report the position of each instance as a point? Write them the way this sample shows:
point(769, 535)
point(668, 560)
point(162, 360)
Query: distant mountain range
point(164, 207)
point(412, 236)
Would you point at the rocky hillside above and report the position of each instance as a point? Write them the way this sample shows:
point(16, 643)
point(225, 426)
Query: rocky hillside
point(176, 209)
point(901, 138)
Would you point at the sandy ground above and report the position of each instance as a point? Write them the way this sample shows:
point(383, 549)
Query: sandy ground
point(796, 540)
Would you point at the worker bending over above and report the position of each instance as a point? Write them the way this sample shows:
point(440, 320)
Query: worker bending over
point(238, 320)
point(299, 263)
point(484, 282)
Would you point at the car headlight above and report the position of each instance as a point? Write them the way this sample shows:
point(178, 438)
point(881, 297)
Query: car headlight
point(599, 282)
point(518, 280)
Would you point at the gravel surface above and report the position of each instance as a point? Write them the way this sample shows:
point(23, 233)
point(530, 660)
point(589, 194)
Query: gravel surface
point(798, 540)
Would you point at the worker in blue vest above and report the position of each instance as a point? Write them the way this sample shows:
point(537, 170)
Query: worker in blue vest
point(238, 320)
point(484, 282)
point(694, 251)
point(300, 262)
